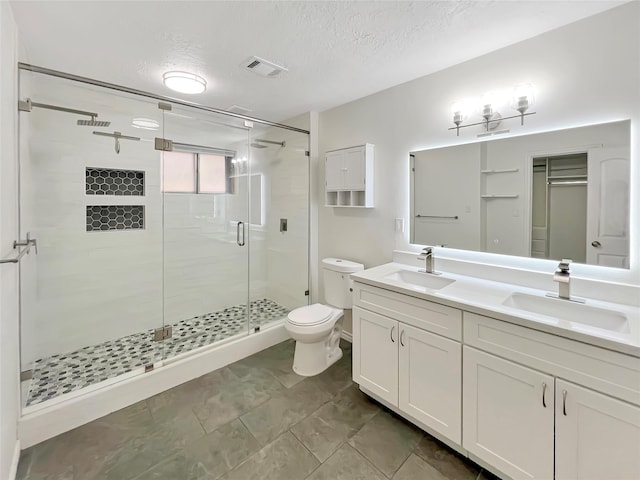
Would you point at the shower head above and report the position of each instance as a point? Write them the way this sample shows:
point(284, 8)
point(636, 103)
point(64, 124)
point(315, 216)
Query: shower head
point(93, 123)
point(27, 105)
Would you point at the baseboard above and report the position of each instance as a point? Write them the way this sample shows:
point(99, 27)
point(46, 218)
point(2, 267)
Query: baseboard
point(347, 336)
point(13, 470)
point(47, 422)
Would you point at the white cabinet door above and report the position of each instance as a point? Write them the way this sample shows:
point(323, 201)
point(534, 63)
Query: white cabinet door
point(335, 170)
point(508, 415)
point(375, 354)
point(597, 437)
point(354, 164)
point(430, 378)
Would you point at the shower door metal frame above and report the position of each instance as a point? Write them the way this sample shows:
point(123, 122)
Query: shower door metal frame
point(142, 93)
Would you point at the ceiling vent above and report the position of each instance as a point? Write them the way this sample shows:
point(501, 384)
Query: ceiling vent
point(238, 109)
point(263, 67)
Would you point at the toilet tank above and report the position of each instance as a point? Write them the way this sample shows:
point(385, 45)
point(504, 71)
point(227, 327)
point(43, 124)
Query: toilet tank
point(336, 274)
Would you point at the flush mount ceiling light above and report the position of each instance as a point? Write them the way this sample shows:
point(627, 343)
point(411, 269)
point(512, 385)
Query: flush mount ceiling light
point(184, 82)
point(145, 123)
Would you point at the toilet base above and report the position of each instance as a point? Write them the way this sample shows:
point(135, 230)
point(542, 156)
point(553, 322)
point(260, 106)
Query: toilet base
point(313, 358)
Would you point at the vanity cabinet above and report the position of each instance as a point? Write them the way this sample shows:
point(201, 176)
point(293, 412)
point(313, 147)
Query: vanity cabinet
point(596, 436)
point(375, 354)
point(405, 365)
point(513, 411)
point(429, 385)
point(508, 415)
point(349, 177)
point(527, 404)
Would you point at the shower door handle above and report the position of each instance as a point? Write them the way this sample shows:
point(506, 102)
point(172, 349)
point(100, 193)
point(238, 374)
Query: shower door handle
point(240, 225)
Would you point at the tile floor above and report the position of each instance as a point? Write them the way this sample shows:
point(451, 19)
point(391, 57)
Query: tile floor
point(254, 419)
point(64, 373)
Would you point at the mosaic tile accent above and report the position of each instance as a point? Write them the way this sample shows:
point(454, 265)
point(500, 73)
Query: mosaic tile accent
point(115, 217)
point(68, 372)
point(104, 181)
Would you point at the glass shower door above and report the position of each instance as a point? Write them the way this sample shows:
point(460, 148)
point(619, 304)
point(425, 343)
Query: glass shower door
point(92, 296)
point(278, 224)
point(206, 244)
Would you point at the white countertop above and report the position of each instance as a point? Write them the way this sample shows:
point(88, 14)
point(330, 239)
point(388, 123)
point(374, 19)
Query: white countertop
point(486, 297)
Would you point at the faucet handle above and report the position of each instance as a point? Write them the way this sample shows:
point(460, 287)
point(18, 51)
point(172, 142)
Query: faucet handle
point(427, 250)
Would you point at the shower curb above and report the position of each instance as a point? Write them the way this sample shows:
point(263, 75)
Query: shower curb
point(47, 422)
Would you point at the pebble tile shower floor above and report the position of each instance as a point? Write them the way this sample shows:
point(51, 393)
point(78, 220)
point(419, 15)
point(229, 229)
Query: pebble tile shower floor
point(68, 372)
point(252, 420)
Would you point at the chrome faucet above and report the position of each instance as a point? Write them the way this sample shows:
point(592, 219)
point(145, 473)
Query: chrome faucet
point(563, 276)
point(427, 256)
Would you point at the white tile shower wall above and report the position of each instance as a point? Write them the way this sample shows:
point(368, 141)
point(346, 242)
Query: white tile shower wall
point(287, 196)
point(572, 91)
point(205, 269)
point(85, 287)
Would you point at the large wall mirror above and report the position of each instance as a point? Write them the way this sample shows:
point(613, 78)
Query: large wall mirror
point(560, 194)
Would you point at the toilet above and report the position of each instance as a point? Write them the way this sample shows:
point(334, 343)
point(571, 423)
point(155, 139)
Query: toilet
point(315, 328)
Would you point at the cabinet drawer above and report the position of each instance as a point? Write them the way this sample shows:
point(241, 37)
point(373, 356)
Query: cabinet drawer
point(594, 367)
point(429, 316)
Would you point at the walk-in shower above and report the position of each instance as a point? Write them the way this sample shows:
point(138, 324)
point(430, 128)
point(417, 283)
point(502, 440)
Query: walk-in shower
point(157, 248)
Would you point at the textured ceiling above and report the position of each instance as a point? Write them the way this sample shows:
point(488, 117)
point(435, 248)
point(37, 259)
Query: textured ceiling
point(335, 51)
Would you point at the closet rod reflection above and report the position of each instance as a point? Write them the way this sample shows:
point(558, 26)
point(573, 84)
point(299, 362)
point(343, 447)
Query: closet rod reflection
point(436, 216)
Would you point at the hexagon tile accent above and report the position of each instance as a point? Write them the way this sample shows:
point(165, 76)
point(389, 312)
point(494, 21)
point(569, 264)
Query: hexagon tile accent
point(103, 181)
point(115, 217)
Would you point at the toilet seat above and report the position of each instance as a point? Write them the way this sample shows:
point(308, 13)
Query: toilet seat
point(310, 315)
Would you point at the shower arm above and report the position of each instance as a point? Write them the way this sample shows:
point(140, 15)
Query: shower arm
point(27, 105)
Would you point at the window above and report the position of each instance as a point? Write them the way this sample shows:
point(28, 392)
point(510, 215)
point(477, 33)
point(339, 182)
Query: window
point(187, 172)
point(212, 174)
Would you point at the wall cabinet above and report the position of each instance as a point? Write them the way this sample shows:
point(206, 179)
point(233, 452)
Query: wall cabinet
point(349, 177)
point(529, 406)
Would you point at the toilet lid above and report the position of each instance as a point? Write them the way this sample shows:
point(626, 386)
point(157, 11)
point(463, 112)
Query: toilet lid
point(310, 315)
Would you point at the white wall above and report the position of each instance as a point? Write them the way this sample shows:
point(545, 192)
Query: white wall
point(9, 313)
point(587, 72)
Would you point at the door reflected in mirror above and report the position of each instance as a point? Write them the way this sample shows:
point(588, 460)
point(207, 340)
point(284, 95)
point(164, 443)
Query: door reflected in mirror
point(560, 194)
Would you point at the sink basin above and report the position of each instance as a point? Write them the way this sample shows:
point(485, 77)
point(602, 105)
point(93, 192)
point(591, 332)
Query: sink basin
point(575, 313)
point(424, 280)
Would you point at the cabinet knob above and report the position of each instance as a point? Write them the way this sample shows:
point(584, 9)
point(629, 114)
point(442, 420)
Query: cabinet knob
point(564, 403)
point(391, 334)
point(402, 338)
point(544, 391)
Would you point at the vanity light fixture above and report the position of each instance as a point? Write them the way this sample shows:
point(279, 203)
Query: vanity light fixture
point(489, 109)
point(184, 82)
